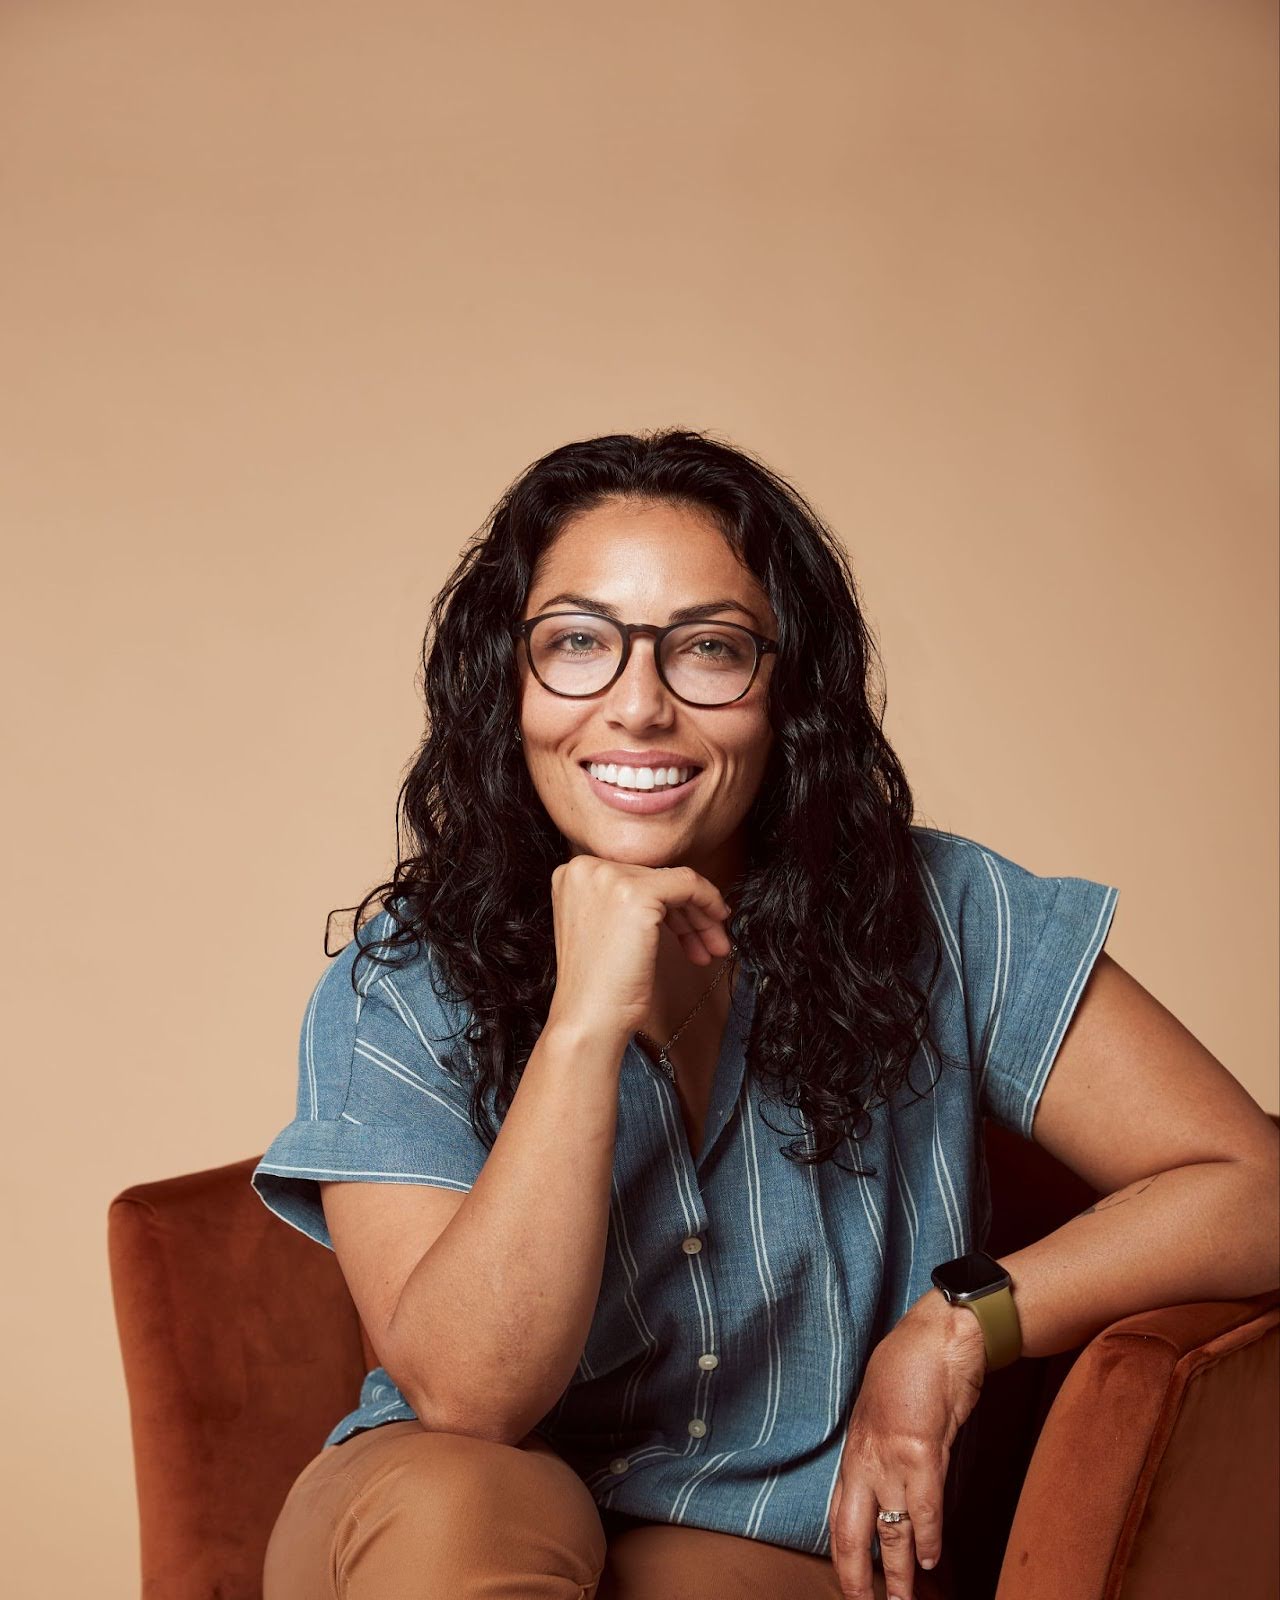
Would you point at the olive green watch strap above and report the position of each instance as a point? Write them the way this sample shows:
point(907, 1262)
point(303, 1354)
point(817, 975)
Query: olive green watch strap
point(1001, 1329)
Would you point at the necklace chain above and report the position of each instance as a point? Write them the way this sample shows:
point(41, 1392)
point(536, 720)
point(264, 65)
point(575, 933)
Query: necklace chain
point(664, 1057)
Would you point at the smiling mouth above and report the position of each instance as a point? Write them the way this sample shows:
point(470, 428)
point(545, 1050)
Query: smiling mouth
point(640, 780)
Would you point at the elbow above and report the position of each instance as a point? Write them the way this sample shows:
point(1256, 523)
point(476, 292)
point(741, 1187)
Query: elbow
point(427, 1407)
point(474, 1428)
point(449, 1414)
point(1262, 1199)
point(437, 1409)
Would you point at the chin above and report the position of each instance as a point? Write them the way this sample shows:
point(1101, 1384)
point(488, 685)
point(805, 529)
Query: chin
point(622, 845)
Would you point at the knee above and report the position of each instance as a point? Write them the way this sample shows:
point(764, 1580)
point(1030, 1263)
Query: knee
point(434, 1472)
point(463, 1505)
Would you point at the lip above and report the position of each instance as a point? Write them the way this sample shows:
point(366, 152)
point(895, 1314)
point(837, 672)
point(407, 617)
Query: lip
point(641, 802)
point(641, 758)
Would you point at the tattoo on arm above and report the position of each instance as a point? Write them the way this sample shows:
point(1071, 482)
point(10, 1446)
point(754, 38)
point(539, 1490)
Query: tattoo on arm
point(1120, 1196)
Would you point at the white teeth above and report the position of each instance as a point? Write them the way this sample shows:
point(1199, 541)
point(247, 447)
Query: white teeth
point(639, 777)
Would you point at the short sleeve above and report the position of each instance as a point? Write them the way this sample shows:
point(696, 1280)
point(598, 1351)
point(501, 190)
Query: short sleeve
point(379, 1097)
point(1026, 945)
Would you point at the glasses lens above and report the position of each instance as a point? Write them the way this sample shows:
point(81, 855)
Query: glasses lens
point(707, 663)
point(575, 654)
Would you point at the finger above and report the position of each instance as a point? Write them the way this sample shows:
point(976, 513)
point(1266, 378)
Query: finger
point(709, 933)
point(697, 898)
point(919, 1539)
point(696, 951)
point(924, 1501)
point(853, 1516)
point(691, 940)
point(698, 933)
point(897, 1552)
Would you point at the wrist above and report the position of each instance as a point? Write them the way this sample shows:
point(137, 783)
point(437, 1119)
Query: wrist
point(954, 1323)
point(584, 1038)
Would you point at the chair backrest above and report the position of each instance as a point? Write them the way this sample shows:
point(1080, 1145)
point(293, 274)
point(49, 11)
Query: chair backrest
point(241, 1348)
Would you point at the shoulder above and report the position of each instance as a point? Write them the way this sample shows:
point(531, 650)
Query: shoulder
point(946, 860)
point(1022, 945)
point(993, 911)
point(958, 874)
point(367, 968)
point(378, 1097)
point(954, 856)
point(370, 991)
point(964, 873)
point(953, 870)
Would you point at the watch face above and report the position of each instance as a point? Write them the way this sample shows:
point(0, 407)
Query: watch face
point(966, 1277)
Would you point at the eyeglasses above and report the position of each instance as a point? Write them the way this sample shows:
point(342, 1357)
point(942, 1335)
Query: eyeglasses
point(580, 653)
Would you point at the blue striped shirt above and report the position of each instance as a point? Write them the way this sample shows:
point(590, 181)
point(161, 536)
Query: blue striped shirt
point(742, 1293)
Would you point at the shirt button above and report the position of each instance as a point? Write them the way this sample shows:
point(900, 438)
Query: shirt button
point(691, 1246)
point(619, 1465)
point(707, 1362)
point(697, 1427)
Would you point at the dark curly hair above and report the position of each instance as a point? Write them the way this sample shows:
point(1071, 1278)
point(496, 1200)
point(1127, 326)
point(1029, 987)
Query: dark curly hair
point(830, 910)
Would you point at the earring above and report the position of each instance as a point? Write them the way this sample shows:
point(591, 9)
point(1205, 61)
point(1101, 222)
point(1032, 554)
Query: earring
point(518, 738)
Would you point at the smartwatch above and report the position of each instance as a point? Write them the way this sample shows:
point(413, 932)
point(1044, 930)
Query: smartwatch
point(978, 1281)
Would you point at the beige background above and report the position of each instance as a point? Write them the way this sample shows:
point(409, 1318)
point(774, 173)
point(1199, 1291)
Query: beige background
point(292, 291)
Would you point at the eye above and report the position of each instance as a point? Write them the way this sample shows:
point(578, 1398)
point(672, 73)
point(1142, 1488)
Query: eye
point(572, 633)
point(722, 649)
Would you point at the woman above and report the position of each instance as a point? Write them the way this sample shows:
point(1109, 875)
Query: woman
point(664, 874)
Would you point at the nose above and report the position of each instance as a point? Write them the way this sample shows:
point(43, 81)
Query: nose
point(638, 694)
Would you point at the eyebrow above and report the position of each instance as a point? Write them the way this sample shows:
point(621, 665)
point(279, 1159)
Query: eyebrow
point(694, 613)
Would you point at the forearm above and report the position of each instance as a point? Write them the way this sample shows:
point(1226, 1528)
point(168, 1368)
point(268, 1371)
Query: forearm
point(495, 1315)
point(1208, 1231)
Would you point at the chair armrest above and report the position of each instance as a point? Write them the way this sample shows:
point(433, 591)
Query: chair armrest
point(1155, 1472)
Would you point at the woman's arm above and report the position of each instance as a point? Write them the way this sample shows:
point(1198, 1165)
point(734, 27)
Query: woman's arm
point(1189, 1165)
point(491, 1322)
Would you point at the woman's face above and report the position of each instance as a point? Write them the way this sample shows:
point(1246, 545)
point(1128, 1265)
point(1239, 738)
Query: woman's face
point(642, 561)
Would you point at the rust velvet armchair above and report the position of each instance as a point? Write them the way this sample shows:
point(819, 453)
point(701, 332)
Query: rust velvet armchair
point(1146, 1464)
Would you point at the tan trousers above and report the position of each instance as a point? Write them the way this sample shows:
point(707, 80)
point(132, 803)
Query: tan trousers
point(397, 1513)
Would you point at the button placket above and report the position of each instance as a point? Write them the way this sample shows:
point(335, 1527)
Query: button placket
point(707, 1361)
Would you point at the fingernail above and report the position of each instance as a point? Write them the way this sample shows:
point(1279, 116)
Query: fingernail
point(928, 1562)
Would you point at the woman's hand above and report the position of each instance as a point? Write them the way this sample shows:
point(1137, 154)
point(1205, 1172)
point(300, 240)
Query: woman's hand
point(608, 917)
point(922, 1380)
